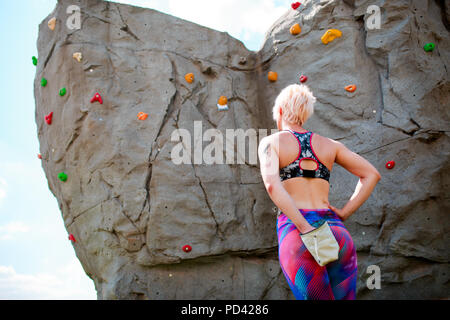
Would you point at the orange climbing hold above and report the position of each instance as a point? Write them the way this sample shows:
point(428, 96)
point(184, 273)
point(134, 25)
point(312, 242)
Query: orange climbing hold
point(272, 76)
point(330, 35)
point(142, 115)
point(350, 88)
point(222, 103)
point(295, 29)
point(52, 23)
point(189, 77)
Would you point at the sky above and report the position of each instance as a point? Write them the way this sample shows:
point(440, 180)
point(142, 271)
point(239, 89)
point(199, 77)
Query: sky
point(37, 261)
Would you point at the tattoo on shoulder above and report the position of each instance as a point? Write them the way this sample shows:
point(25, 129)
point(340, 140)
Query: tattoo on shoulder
point(267, 149)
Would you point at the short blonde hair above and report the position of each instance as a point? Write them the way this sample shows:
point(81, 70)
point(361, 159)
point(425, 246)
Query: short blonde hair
point(296, 102)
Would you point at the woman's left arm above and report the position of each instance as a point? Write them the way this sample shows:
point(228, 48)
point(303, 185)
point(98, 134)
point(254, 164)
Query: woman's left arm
point(269, 166)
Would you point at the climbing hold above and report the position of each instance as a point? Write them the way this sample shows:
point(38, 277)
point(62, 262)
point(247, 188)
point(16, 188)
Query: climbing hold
point(390, 164)
point(43, 82)
point(222, 103)
point(142, 115)
point(78, 56)
point(52, 23)
point(62, 92)
point(48, 118)
point(272, 76)
point(330, 35)
point(34, 60)
point(187, 248)
point(97, 97)
point(350, 88)
point(62, 176)
point(429, 47)
point(295, 29)
point(39, 156)
point(189, 77)
point(295, 5)
point(303, 78)
point(72, 238)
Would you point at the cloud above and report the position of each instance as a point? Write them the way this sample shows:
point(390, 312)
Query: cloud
point(243, 19)
point(69, 282)
point(8, 231)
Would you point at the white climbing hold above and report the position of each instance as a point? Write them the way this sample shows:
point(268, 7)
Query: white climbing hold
point(78, 56)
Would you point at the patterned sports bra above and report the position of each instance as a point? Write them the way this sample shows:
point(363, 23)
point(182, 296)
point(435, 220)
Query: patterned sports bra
point(306, 151)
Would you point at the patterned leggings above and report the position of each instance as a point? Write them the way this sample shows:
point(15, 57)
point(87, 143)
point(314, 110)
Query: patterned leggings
point(307, 279)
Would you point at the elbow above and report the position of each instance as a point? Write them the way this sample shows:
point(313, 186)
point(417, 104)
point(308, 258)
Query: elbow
point(377, 176)
point(269, 188)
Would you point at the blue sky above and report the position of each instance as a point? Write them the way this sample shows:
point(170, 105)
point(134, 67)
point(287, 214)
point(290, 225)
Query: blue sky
point(37, 261)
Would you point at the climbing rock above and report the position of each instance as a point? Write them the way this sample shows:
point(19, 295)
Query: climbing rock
point(295, 29)
point(97, 97)
point(62, 176)
point(52, 23)
point(189, 77)
point(48, 118)
point(77, 56)
point(330, 35)
point(350, 88)
point(272, 76)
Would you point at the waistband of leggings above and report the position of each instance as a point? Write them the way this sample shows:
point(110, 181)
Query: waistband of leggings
point(315, 215)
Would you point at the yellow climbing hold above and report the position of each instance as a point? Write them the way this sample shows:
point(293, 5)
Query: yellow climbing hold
point(77, 56)
point(330, 35)
point(52, 23)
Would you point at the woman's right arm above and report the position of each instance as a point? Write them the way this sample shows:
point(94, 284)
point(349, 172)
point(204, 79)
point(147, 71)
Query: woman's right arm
point(368, 178)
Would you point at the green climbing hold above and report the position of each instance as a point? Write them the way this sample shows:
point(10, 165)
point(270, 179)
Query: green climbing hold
point(34, 60)
point(43, 82)
point(62, 176)
point(62, 92)
point(429, 47)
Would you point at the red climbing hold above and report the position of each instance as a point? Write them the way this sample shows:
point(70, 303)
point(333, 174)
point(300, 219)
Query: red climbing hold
point(97, 97)
point(187, 248)
point(295, 5)
point(390, 164)
point(48, 118)
point(303, 78)
point(39, 156)
point(72, 238)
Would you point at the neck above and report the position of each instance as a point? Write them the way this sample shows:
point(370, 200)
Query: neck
point(291, 126)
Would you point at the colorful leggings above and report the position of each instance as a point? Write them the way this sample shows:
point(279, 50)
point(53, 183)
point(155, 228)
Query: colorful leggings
point(306, 278)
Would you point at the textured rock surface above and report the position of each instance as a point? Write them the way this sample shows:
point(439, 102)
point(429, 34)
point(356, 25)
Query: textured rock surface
point(132, 209)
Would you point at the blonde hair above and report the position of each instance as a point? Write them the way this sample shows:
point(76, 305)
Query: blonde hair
point(296, 102)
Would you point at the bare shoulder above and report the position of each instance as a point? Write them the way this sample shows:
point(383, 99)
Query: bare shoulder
point(328, 142)
point(275, 140)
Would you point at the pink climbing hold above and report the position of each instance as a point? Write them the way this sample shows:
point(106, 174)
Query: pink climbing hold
point(303, 78)
point(187, 248)
point(72, 238)
point(295, 5)
point(390, 164)
point(97, 97)
point(48, 118)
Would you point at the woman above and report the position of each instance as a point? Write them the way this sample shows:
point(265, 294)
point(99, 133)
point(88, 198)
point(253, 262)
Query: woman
point(295, 167)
